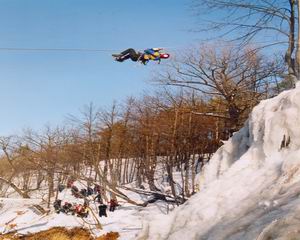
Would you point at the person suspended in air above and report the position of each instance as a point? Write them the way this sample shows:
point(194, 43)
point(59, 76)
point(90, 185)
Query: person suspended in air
point(153, 54)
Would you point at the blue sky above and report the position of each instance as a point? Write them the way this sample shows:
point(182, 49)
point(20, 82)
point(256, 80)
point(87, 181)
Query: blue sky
point(39, 88)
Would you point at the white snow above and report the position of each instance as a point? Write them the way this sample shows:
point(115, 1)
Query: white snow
point(18, 214)
point(250, 188)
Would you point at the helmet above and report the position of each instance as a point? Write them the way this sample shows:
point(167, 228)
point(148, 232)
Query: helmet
point(164, 55)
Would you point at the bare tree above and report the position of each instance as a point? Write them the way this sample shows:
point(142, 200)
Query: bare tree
point(239, 78)
point(8, 146)
point(247, 20)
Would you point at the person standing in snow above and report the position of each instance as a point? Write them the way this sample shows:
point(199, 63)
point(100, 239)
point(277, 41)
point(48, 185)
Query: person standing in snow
point(98, 198)
point(102, 210)
point(112, 205)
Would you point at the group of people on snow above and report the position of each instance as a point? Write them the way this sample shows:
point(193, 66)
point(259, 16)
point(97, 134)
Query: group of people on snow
point(82, 210)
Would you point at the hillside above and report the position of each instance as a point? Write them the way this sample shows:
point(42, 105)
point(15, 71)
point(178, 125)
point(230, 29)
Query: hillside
point(250, 189)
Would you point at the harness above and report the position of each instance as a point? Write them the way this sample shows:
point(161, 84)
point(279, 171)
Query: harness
point(150, 54)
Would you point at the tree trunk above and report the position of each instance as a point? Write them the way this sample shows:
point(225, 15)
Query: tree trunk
point(50, 178)
point(298, 45)
point(171, 180)
point(289, 53)
point(18, 190)
point(193, 171)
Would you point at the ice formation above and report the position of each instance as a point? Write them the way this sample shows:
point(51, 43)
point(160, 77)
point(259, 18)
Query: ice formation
point(250, 188)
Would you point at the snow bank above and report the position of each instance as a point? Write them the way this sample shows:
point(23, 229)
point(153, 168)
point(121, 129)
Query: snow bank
point(250, 189)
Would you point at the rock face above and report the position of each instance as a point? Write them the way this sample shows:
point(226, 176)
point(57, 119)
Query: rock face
point(251, 187)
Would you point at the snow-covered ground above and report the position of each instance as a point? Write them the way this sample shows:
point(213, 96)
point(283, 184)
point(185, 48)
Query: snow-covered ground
point(20, 215)
point(251, 187)
point(17, 214)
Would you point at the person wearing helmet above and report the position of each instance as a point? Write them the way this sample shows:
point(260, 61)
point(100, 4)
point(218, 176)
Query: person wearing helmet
point(153, 54)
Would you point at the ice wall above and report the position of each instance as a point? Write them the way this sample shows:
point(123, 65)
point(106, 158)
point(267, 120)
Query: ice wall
point(251, 187)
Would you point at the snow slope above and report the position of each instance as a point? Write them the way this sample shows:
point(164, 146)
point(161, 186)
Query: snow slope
point(251, 187)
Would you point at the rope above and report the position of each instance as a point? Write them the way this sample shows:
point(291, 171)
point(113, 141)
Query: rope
point(107, 50)
point(59, 49)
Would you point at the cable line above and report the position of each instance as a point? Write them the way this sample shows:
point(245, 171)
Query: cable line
point(59, 49)
point(222, 44)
